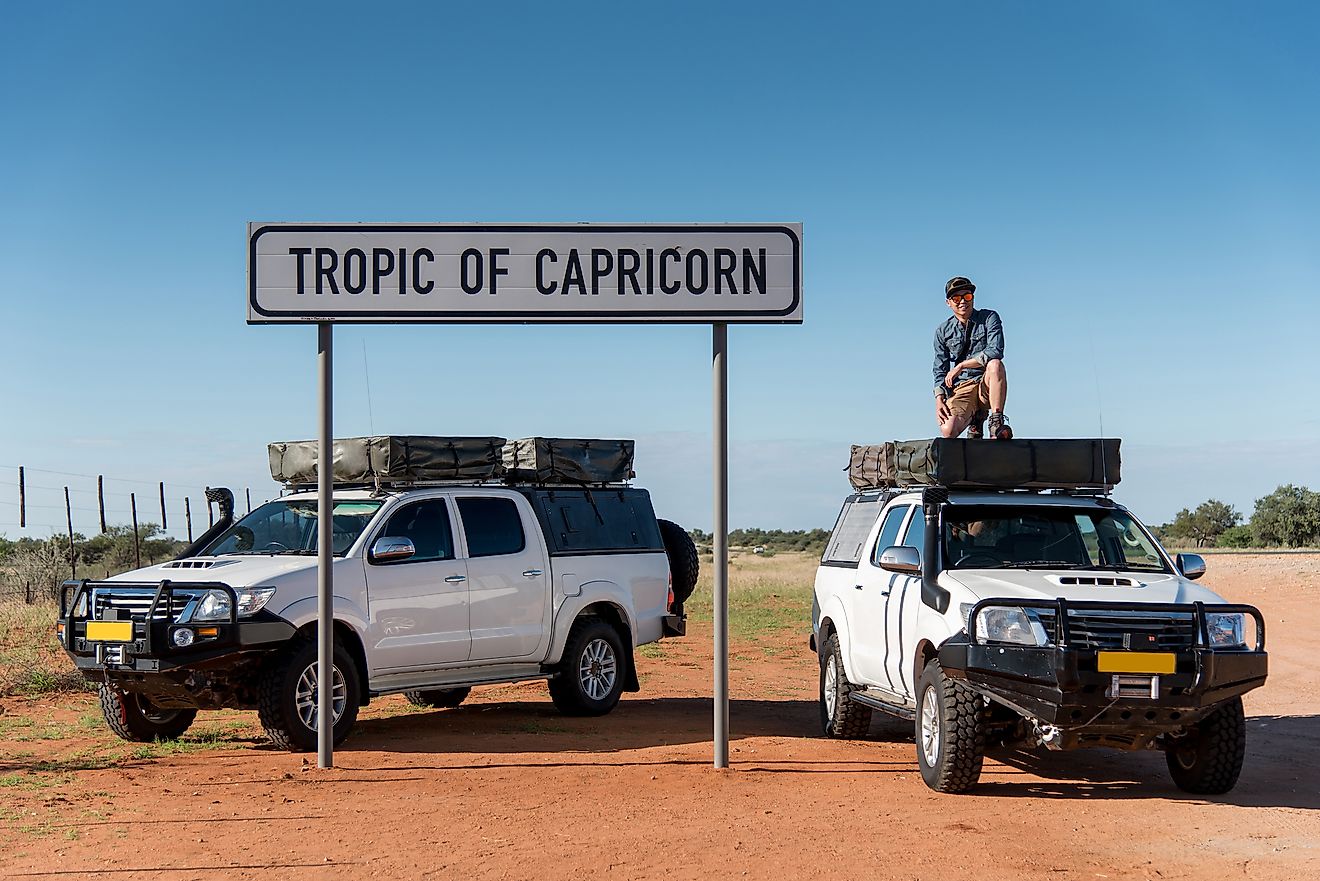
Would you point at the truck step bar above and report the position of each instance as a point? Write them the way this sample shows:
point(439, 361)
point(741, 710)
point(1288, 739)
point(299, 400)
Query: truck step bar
point(867, 699)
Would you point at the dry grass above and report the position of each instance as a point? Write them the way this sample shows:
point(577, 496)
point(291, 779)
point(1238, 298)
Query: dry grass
point(766, 594)
point(31, 660)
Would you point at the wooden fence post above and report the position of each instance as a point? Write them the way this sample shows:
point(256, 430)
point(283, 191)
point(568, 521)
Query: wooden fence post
point(249, 499)
point(68, 518)
point(187, 516)
point(100, 500)
point(22, 500)
point(163, 524)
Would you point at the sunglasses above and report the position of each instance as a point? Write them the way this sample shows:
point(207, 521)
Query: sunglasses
point(966, 298)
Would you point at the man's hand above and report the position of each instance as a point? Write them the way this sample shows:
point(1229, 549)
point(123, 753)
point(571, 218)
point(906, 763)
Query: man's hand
point(941, 410)
point(952, 376)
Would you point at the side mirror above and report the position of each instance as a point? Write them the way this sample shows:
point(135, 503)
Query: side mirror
point(901, 559)
point(1192, 566)
point(392, 549)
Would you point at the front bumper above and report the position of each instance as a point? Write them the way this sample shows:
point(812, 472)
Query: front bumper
point(1061, 685)
point(152, 649)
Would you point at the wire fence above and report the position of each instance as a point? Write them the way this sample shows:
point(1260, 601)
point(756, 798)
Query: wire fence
point(65, 517)
point(49, 502)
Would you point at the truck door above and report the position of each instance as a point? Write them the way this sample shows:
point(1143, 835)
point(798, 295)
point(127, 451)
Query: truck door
point(419, 606)
point(508, 575)
point(871, 598)
point(901, 620)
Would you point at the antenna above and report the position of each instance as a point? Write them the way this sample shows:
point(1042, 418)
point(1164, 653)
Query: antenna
point(1100, 407)
point(366, 372)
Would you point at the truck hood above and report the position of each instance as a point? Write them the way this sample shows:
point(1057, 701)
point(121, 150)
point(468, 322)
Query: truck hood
point(235, 571)
point(1073, 584)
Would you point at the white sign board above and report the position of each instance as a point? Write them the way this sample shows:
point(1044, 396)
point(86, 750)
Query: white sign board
point(500, 273)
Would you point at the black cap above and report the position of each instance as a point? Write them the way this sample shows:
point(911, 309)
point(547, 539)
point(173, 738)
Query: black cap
point(958, 285)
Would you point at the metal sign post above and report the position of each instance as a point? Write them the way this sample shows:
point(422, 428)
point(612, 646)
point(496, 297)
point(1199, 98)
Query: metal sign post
point(488, 273)
point(325, 530)
point(720, 477)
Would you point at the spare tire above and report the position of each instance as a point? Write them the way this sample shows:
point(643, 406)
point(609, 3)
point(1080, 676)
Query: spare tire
point(683, 564)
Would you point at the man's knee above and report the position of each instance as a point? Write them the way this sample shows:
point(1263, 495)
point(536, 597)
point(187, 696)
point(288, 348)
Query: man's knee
point(951, 428)
point(995, 369)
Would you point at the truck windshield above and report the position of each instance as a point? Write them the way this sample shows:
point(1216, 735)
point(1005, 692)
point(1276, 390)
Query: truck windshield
point(1020, 537)
point(289, 527)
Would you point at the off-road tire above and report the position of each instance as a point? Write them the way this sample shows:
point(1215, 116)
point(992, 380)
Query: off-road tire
point(1209, 759)
point(438, 698)
point(577, 672)
point(842, 717)
point(684, 567)
point(959, 739)
point(134, 718)
point(277, 697)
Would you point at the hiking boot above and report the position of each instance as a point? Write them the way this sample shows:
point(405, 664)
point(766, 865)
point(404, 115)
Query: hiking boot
point(976, 428)
point(999, 427)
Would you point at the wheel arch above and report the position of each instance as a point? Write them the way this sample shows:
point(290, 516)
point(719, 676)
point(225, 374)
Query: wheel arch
point(351, 640)
point(833, 615)
point(926, 652)
point(614, 615)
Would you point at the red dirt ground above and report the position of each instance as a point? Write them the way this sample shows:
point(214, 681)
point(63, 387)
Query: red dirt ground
point(504, 787)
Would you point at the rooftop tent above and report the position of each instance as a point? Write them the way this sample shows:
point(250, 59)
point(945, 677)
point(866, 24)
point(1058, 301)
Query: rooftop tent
point(956, 463)
point(391, 458)
point(568, 460)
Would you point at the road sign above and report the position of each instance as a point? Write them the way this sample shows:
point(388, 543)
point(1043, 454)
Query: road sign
point(498, 273)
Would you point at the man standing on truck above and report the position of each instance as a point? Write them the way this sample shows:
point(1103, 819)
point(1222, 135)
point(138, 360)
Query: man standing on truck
point(970, 382)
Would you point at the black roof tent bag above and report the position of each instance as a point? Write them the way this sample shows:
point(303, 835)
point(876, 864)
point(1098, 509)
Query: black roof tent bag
point(568, 460)
point(392, 458)
point(956, 463)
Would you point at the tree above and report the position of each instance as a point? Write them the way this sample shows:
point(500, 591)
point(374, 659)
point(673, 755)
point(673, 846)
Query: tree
point(1288, 516)
point(1206, 523)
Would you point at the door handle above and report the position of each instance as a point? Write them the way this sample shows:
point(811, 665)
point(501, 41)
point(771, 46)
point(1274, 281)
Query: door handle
point(532, 573)
point(456, 579)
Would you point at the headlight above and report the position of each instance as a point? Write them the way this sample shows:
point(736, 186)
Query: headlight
point(253, 599)
point(215, 606)
point(1010, 624)
point(1225, 630)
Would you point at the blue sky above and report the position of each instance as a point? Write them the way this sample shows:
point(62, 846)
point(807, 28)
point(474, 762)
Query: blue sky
point(1131, 185)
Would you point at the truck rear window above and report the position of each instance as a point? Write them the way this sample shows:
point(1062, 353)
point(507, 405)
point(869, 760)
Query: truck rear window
point(492, 526)
point(847, 541)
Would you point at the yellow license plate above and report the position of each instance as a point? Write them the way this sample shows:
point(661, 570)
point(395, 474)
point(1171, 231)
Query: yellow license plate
point(1136, 662)
point(110, 631)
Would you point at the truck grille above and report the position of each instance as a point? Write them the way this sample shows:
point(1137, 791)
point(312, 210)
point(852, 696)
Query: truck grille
point(136, 602)
point(1089, 629)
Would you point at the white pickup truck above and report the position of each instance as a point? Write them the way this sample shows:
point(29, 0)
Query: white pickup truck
point(1028, 618)
point(436, 589)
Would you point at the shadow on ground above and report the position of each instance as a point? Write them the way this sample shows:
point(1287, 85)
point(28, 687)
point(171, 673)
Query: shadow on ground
point(1283, 753)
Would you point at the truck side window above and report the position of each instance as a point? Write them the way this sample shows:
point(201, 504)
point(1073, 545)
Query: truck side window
point(889, 531)
point(426, 525)
point(493, 526)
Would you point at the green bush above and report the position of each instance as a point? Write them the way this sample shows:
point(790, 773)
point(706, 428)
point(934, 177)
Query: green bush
point(1242, 536)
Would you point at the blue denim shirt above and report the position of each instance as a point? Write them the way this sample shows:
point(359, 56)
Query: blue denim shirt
point(987, 345)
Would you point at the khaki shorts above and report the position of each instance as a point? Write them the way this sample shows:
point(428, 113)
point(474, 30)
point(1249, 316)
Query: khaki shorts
point(970, 398)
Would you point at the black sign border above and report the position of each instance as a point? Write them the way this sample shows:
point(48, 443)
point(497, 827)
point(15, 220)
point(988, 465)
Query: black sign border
point(769, 316)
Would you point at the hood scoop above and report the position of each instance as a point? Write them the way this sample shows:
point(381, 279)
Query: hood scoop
point(197, 564)
point(1093, 581)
